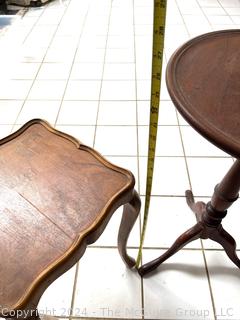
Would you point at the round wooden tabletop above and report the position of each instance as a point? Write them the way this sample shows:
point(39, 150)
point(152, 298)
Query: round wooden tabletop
point(203, 80)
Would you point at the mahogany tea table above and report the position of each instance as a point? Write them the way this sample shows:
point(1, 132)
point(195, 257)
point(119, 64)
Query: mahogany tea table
point(203, 80)
point(56, 197)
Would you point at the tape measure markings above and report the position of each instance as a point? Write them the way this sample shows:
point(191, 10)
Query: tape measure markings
point(160, 7)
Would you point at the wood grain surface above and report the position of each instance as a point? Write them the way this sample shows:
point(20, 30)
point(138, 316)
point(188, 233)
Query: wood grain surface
point(53, 193)
point(203, 79)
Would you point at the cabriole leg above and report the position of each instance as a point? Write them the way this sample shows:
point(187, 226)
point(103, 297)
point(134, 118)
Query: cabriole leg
point(130, 213)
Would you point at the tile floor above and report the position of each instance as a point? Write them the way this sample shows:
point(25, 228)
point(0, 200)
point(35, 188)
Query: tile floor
point(85, 67)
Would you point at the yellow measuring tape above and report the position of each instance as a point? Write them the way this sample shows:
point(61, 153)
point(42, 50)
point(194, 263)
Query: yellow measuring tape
point(160, 7)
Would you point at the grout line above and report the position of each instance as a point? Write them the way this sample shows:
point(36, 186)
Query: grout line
point(234, 24)
point(138, 160)
point(159, 248)
point(183, 20)
point(209, 282)
point(74, 291)
point(34, 25)
point(73, 60)
point(116, 100)
point(205, 15)
point(169, 156)
point(78, 79)
point(184, 153)
point(40, 64)
point(103, 69)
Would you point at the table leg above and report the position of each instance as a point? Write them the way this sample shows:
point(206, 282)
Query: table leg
point(209, 217)
point(130, 213)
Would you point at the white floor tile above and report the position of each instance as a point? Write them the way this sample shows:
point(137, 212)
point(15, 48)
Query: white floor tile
point(9, 109)
point(15, 89)
point(170, 292)
point(32, 53)
point(230, 3)
point(84, 134)
point(170, 176)
point(82, 90)
point(54, 71)
point(34, 12)
point(196, 145)
point(51, 17)
point(182, 121)
point(174, 18)
point(90, 55)
point(118, 41)
point(92, 42)
point(141, 17)
point(142, 30)
point(209, 3)
point(55, 55)
point(214, 11)
point(235, 11)
point(167, 113)
point(143, 68)
point(61, 41)
point(5, 130)
point(87, 71)
point(110, 234)
point(119, 55)
point(225, 283)
point(143, 89)
point(236, 19)
point(189, 7)
point(118, 90)
point(56, 301)
point(195, 20)
point(119, 71)
point(168, 141)
point(47, 90)
point(109, 291)
point(25, 71)
point(206, 173)
point(78, 112)
point(220, 20)
point(117, 113)
point(116, 140)
point(168, 218)
point(197, 29)
point(46, 110)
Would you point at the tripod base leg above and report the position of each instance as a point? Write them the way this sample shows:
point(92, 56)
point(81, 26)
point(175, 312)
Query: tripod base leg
point(188, 236)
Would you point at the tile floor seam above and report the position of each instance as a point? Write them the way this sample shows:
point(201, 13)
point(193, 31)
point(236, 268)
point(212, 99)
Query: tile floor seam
point(33, 26)
point(206, 16)
point(74, 291)
point(209, 282)
point(184, 153)
point(226, 12)
point(184, 22)
point(137, 132)
point(101, 81)
point(72, 63)
point(26, 98)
